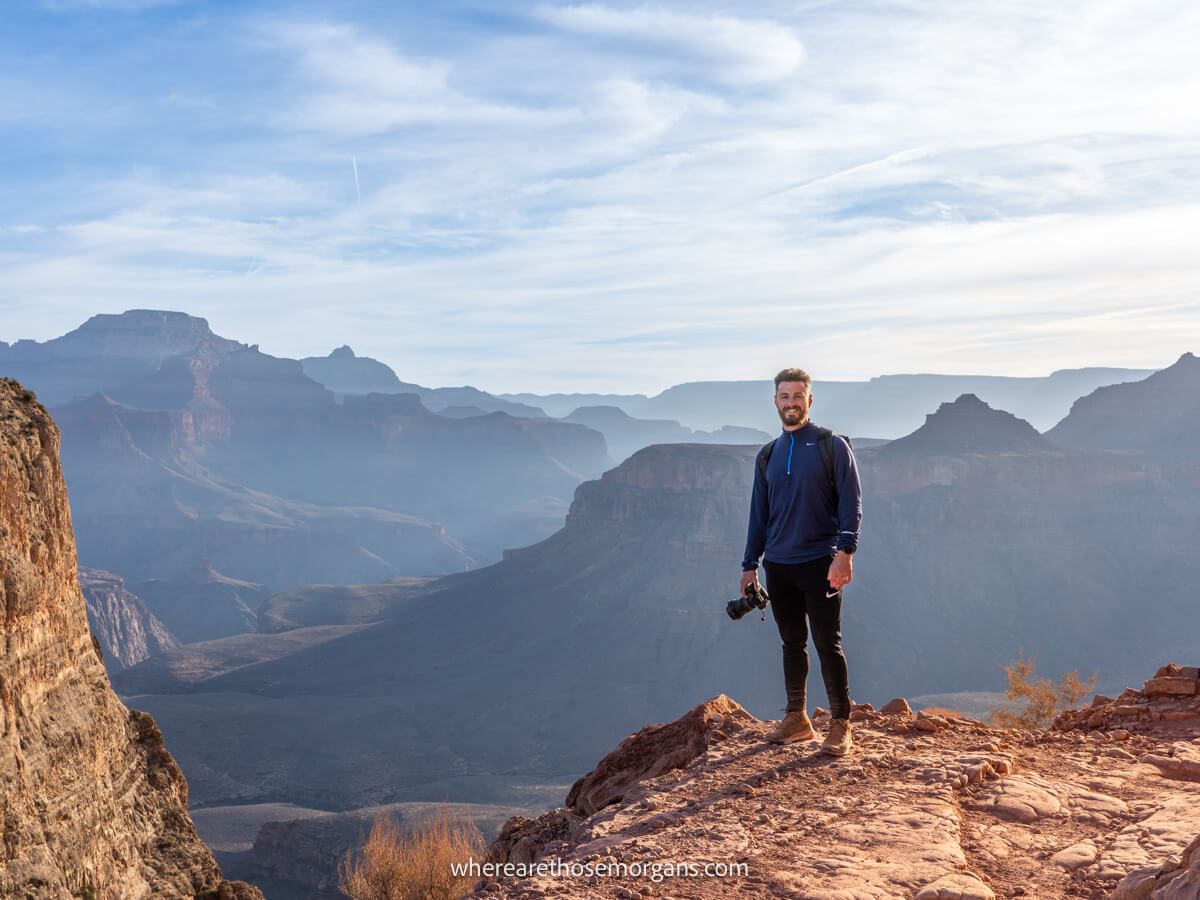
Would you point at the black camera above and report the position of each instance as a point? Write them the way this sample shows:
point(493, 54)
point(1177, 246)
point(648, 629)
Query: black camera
point(754, 598)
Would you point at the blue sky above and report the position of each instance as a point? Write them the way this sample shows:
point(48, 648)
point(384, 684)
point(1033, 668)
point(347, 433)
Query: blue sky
point(605, 196)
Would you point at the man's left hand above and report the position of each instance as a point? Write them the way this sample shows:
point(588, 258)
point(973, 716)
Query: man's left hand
point(841, 570)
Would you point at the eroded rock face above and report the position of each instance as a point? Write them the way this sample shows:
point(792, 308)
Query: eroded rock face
point(92, 802)
point(128, 632)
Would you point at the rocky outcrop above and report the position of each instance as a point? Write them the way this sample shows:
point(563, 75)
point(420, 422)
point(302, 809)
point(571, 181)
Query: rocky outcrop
point(128, 632)
point(929, 807)
point(93, 804)
point(654, 750)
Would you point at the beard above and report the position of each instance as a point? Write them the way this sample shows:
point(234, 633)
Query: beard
point(792, 416)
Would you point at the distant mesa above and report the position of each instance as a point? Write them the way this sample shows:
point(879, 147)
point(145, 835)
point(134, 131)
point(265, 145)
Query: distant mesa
point(345, 373)
point(968, 425)
point(151, 334)
point(1157, 415)
point(147, 335)
point(108, 350)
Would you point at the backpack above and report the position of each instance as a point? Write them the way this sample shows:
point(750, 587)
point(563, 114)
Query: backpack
point(824, 440)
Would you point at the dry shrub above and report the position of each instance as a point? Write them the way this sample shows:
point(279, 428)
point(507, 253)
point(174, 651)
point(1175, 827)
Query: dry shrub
point(1038, 700)
point(414, 865)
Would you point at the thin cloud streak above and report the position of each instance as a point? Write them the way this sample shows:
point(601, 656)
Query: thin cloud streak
point(738, 49)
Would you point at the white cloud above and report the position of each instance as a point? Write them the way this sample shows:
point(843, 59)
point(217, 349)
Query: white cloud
point(361, 85)
point(739, 50)
point(636, 197)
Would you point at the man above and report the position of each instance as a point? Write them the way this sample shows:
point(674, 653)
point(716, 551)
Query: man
point(804, 520)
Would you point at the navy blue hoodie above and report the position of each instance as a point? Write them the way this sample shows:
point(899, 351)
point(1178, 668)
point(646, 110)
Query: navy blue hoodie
point(795, 516)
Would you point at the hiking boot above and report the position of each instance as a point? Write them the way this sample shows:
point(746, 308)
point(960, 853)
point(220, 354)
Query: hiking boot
point(796, 726)
point(838, 742)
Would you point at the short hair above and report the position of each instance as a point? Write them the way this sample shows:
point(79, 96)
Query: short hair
point(793, 375)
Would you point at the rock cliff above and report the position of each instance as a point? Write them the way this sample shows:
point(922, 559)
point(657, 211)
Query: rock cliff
point(127, 631)
point(93, 804)
point(1105, 804)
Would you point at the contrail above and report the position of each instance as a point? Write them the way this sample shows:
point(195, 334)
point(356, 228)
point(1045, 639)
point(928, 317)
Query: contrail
point(357, 192)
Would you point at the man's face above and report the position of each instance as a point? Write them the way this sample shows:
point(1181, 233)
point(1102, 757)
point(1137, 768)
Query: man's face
point(793, 400)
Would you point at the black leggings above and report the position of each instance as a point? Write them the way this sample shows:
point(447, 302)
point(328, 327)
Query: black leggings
point(803, 590)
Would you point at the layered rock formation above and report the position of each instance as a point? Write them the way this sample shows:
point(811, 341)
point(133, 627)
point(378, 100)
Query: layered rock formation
point(127, 631)
point(1157, 415)
point(92, 804)
point(926, 807)
point(106, 351)
point(180, 444)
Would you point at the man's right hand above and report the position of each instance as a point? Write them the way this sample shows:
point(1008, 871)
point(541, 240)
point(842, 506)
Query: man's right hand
point(748, 578)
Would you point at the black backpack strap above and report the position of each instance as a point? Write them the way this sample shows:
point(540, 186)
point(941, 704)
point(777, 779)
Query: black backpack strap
point(825, 442)
point(764, 457)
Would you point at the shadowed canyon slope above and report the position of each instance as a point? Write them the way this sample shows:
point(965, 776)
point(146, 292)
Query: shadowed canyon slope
point(92, 804)
point(980, 539)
